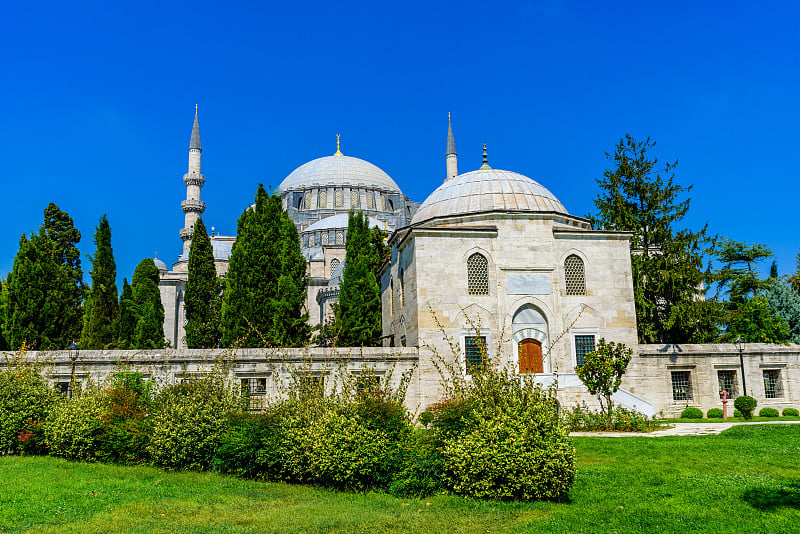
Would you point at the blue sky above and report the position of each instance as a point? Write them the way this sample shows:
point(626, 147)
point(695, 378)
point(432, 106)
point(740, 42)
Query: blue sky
point(98, 101)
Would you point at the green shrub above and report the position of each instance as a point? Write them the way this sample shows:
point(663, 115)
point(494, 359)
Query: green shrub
point(790, 412)
point(692, 413)
point(737, 413)
point(768, 412)
point(26, 401)
point(714, 413)
point(422, 472)
point(580, 418)
point(127, 427)
point(745, 404)
point(240, 445)
point(75, 430)
point(448, 417)
point(189, 420)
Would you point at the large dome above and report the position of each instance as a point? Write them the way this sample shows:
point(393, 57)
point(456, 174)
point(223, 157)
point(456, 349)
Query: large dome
point(338, 171)
point(487, 190)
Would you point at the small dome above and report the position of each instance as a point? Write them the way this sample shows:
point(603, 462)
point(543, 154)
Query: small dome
point(339, 221)
point(160, 265)
point(338, 171)
point(487, 190)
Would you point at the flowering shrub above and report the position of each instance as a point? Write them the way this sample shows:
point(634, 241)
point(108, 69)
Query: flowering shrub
point(75, 430)
point(25, 402)
point(126, 421)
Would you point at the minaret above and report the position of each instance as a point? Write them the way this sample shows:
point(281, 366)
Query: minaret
point(192, 207)
point(452, 162)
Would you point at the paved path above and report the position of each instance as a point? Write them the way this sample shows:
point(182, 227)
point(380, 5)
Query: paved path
point(681, 429)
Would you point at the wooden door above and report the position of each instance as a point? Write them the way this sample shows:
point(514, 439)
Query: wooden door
point(530, 356)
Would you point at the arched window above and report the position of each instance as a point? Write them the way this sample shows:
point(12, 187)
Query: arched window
point(311, 240)
point(389, 205)
point(477, 275)
point(391, 297)
point(402, 290)
point(307, 204)
point(323, 199)
point(340, 238)
point(370, 201)
point(325, 238)
point(354, 199)
point(334, 265)
point(574, 275)
point(338, 198)
point(298, 202)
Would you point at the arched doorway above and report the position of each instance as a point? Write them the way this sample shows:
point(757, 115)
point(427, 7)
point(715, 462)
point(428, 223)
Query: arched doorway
point(530, 356)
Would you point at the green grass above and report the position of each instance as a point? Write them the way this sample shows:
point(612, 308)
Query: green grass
point(746, 479)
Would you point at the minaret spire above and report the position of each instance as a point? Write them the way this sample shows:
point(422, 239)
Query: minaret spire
point(192, 207)
point(452, 161)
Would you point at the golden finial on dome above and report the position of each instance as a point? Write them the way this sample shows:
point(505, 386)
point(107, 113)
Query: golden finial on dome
point(338, 152)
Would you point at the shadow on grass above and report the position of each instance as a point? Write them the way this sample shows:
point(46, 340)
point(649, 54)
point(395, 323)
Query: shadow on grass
point(768, 498)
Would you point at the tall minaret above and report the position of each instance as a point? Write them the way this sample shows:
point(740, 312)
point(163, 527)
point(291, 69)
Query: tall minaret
point(192, 207)
point(452, 162)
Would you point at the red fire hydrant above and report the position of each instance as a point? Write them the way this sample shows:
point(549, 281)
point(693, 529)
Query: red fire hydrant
point(724, 404)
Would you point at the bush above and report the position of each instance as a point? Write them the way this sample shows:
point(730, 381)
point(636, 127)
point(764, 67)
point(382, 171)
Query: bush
point(127, 427)
point(189, 420)
point(75, 430)
point(714, 413)
point(422, 473)
point(768, 412)
point(692, 413)
point(580, 418)
point(745, 404)
point(240, 445)
point(26, 400)
point(790, 412)
point(737, 413)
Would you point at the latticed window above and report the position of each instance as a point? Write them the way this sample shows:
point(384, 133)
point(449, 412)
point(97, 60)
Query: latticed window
point(338, 198)
point(307, 204)
point(391, 297)
point(574, 275)
point(681, 385)
point(311, 240)
point(772, 384)
point(354, 199)
point(368, 383)
point(370, 201)
point(583, 346)
point(339, 238)
point(334, 265)
point(727, 382)
point(325, 239)
point(474, 349)
point(477, 275)
point(254, 386)
point(323, 199)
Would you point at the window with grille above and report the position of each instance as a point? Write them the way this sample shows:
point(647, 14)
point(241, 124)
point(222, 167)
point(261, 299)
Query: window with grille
point(402, 290)
point(254, 386)
point(477, 275)
point(311, 240)
point(338, 198)
point(727, 382)
point(354, 199)
point(391, 297)
point(311, 385)
point(339, 238)
point(403, 340)
point(323, 199)
point(574, 275)
point(65, 388)
point(307, 204)
point(583, 346)
point(324, 239)
point(474, 349)
point(772, 384)
point(334, 265)
point(368, 383)
point(370, 201)
point(681, 385)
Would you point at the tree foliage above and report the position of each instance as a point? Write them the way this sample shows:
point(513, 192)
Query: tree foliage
point(738, 277)
point(43, 300)
point(102, 313)
point(785, 303)
point(358, 312)
point(127, 316)
point(266, 281)
point(203, 297)
point(149, 330)
point(667, 263)
point(602, 371)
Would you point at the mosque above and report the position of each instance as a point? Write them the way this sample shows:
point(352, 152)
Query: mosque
point(491, 258)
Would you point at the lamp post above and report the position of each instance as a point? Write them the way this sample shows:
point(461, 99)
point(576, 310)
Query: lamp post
point(740, 345)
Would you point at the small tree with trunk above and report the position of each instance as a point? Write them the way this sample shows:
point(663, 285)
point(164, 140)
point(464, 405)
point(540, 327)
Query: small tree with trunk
point(602, 371)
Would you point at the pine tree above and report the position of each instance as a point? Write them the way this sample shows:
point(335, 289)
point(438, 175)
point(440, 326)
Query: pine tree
point(667, 263)
point(102, 314)
point(44, 289)
point(149, 331)
point(127, 316)
point(3, 313)
point(358, 312)
point(202, 299)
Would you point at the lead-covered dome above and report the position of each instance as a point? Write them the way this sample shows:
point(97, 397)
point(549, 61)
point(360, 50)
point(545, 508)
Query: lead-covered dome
point(487, 190)
point(338, 171)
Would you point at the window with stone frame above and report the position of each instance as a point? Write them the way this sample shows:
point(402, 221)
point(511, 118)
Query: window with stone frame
point(474, 349)
point(574, 275)
point(477, 275)
point(402, 290)
point(307, 204)
point(727, 382)
point(323, 199)
point(391, 297)
point(311, 240)
point(325, 238)
point(334, 265)
point(370, 201)
point(681, 385)
point(773, 388)
point(368, 383)
point(340, 238)
point(353, 199)
point(338, 198)
point(253, 386)
point(65, 388)
point(584, 344)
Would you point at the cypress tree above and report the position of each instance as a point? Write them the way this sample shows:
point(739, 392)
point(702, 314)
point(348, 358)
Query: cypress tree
point(102, 314)
point(43, 304)
point(358, 312)
point(202, 299)
point(290, 324)
point(127, 316)
point(3, 313)
point(149, 331)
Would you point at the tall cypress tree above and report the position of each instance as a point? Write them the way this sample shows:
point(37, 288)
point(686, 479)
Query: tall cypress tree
point(358, 312)
point(290, 323)
point(127, 316)
point(44, 301)
point(149, 331)
point(202, 299)
point(3, 313)
point(102, 314)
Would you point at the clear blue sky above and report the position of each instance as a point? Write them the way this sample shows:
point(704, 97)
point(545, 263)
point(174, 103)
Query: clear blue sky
point(98, 100)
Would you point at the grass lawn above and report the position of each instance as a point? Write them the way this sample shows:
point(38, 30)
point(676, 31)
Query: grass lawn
point(746, 479)
point(731, 419)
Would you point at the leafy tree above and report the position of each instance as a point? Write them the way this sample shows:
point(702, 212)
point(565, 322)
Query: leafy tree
point(149, 331)
point(202, 300)
point(667, 263)
point(738, 277)
point(785, 303)
point(102, 314)
point(358, 312)
point(263, 303)
point(127, 316)
point(773, 270)
point(44, 303)
point(794, 280)
point(3, 313)
point(602, 371)
point(381, 249)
